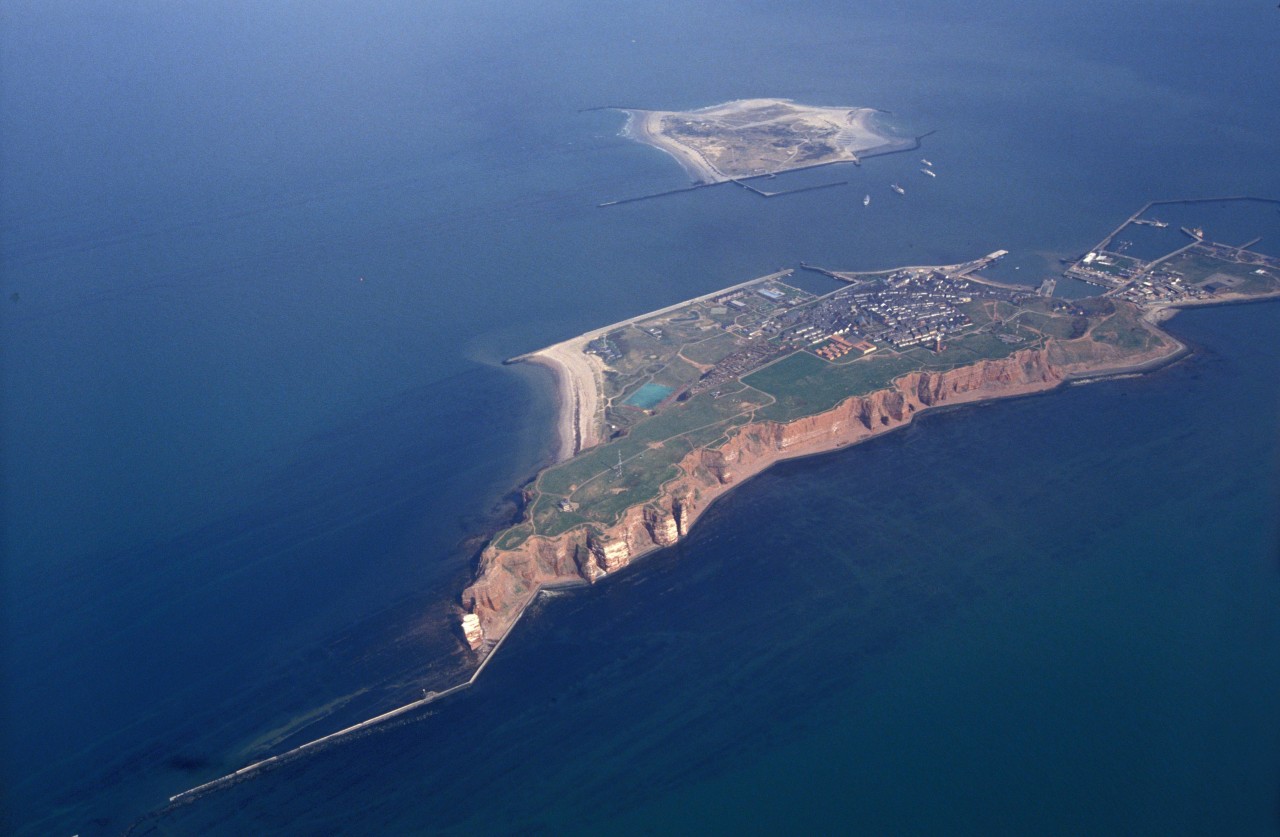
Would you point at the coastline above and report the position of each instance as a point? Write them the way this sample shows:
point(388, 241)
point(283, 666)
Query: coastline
point(566, 411)
point(860, 137)
point(1023, 374)
point(508, 581)
point(579, 376)
point(645, 126)
point(579, 385)
point(1162, 312)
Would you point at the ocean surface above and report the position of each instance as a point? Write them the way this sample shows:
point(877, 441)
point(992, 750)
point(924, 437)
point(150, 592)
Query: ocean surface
point(259, 266)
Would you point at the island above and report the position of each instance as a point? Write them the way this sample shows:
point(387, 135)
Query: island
point(663, 413)
point(759, 137)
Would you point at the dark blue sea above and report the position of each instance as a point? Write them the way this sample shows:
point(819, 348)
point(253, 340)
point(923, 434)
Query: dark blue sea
point(259, 267)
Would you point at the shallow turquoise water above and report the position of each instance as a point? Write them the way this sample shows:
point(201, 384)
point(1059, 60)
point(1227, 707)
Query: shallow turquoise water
point(649, 396)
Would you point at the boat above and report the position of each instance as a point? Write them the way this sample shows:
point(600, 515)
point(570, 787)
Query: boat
point(930, 172)
point(866, 200)
point(895, 187)
point(926, 162)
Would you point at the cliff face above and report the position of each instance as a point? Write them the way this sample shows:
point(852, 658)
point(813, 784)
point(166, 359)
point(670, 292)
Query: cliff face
point(508, 580)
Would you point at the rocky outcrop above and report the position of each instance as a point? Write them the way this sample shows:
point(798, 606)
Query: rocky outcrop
point(611, 552)
point(472, 631)
point(508, 580)
point(662, 526)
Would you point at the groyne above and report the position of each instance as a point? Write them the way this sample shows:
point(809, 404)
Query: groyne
point(621, 201)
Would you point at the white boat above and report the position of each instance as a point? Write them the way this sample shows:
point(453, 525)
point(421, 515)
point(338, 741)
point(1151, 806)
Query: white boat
point(895, 187)
point(930, 172)
point(926, 162)
point(866, 201)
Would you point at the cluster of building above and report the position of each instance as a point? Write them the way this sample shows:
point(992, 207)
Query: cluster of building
point(1105, 269)
point(838, 347)
point(605, 348)
point(731, 367)
point(911, 308)
point(1168, 285)
point(1162, 286)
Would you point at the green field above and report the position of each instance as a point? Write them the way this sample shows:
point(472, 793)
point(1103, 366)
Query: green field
point(1199, 268)
point(648, 456)
point(975, 347)
point(804, 385)
point(1123, 330)
point(711, 350)
point(1062, 327)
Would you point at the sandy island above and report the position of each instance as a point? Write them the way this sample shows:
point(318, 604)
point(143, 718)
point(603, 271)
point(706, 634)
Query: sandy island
point(754, 137)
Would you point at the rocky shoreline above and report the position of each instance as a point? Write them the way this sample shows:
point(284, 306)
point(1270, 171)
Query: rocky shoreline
point(507, 581)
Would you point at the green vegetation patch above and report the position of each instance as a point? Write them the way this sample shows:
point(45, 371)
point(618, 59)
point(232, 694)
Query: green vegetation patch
point(513, 537)
point(1196, 267)
point(677, 373)
point(695, 414)
point(975, 347)
point(1200, 269)
point(1123, 331)
point(804, 385)
point(1061, 327)
point(712, 350)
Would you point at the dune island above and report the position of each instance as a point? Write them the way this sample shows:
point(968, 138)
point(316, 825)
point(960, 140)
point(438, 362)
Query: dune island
point(757, 137)
point(663, 413)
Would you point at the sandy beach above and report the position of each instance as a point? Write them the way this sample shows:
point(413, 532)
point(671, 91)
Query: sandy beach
point(579, 383)
point(646, 126)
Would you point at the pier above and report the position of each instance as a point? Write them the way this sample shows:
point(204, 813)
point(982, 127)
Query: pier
point(879, 151)
point(1136, 218)
point(742, 182)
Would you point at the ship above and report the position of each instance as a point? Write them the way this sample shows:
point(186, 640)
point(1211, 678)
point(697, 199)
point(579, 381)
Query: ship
point(926, 162)
point(895, 187)
point(930, 172)
point(866, 200)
